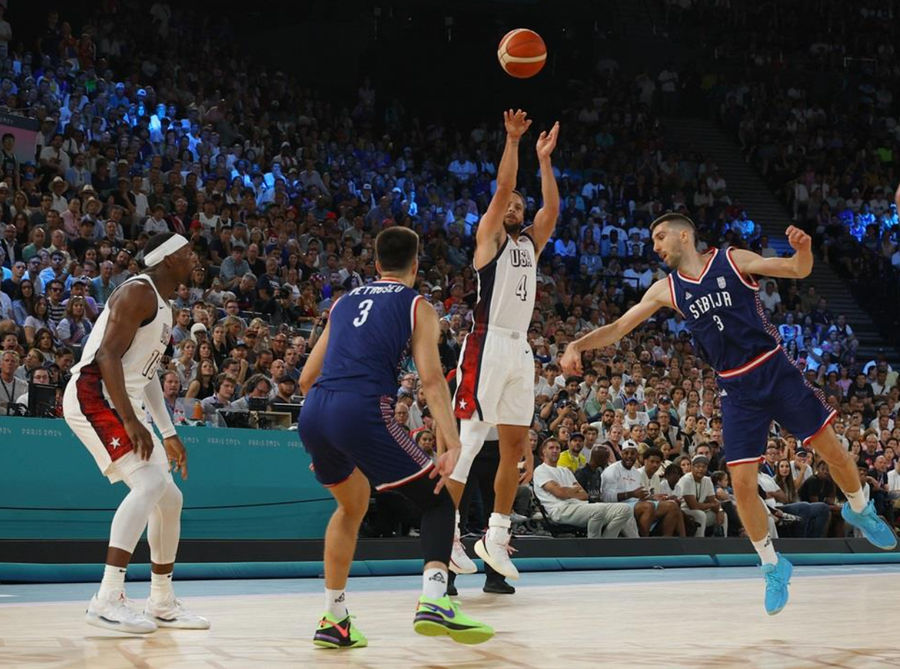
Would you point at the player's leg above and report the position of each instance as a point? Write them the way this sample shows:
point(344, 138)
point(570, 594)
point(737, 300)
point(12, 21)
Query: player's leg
point(745, 426)
point(668, 515)
point(472, 433)
point(437, 615)
point(804, 413)
point(856, 511)
point(163, 534)
point(644, 517)
point(494, 547)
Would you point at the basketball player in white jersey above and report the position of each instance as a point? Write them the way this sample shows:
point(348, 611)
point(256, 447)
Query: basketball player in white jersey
point(103, 407)
point(495, 376)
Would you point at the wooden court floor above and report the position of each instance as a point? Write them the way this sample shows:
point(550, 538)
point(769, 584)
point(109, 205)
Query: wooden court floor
point(836, 618)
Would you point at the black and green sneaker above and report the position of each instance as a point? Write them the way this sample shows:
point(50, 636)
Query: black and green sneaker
point(338, 634)
point(442, 617)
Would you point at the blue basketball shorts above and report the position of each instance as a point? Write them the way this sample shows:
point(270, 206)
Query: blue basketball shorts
point(344, 430)
point(774, 390)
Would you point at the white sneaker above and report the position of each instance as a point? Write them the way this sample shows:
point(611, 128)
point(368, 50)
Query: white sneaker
point(174, 614)
point(117, 614)
point(460, 562)
point(496, 554)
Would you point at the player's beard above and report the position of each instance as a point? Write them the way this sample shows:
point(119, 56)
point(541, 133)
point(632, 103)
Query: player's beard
point(512, 227)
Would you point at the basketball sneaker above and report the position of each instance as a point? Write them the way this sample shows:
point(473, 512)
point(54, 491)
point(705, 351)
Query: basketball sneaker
point(117, 613)
point(778, 577)
point(173, 614)
point(494, 549)
point(873, 528)
point(334, 633)
point(460, 562)
point(442, 617)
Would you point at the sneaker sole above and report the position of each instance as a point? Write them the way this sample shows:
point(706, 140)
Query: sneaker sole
point(482, 552)
point(333, 646)
point(781, 608)
point(180, 625)
point(456, 569)
point(97, 621)
point(470, 637)
point(884, 547)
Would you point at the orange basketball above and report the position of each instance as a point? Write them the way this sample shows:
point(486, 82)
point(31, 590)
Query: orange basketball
point(522, 53)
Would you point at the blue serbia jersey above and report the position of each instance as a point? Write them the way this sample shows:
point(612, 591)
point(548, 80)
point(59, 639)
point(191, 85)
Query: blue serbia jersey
point(724, 314)
point(371, 329)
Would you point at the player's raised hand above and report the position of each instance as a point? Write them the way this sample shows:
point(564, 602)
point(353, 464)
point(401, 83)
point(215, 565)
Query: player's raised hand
point(516, 122)
point(176, 454)
point(799, 240)
point(547, 141)
point(571, 362)
point(140, 438)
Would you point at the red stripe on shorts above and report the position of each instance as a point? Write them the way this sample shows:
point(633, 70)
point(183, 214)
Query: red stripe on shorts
point(101, 416)
point(466, 401)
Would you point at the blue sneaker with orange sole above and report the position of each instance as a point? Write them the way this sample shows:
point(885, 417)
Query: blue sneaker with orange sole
point(778, 577)
point(878, 532)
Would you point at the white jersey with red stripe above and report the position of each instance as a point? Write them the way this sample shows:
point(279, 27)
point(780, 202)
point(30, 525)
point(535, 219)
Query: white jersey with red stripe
point(506, 286)
point(141, 359)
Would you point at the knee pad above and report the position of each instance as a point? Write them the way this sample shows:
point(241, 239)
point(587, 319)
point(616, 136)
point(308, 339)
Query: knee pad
point(472, 434)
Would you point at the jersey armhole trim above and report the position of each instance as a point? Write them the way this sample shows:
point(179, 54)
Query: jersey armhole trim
point(412, 313)
point(672, 294)
point(495, 258)
point(752, 286)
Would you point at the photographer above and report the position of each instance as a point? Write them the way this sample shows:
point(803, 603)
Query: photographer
point(258, 388)
point(11, 387)
point(39, 376)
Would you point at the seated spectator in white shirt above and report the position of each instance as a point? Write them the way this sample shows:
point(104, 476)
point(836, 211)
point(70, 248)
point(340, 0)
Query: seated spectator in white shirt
point(623, 482)
point(566, 501)
point(633, 416)
point(699, 495)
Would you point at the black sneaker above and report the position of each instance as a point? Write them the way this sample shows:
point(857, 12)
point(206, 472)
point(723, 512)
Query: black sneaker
point(451, 584)
point(498, 586)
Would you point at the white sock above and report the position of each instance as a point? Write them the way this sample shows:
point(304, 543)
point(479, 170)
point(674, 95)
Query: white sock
point(113, 582)
point(766, 550)
point(456, 534)
point(434, 583)
point(161, 587)
point(498, 528)
point(857, 500)
point(336, 603)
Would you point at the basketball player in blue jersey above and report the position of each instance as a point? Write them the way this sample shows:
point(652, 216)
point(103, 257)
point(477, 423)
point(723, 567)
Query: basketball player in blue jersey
point(348, 428)
point(718, 296)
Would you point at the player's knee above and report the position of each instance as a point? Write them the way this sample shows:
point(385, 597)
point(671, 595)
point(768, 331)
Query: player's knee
point(150, 482)
point(172, 500)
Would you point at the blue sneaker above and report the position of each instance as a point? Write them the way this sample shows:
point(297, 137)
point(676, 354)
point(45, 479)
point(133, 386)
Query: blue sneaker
point(873, 528)
point(778, 577)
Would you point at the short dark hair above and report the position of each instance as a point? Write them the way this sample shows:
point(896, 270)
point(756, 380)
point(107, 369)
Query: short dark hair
point(678, 220)
point(650, 452)
point(544, 443)
point(396, 248)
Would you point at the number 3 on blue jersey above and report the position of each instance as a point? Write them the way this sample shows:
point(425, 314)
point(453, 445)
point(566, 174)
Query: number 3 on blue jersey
point(719, 323)
point(364, 307)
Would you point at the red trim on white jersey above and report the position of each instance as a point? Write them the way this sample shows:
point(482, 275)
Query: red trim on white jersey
point(743, 369)
point(700, 278)
point(751, 286)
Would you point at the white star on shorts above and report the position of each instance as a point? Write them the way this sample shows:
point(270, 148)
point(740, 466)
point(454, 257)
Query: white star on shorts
point(115, 442)
point(462, 404)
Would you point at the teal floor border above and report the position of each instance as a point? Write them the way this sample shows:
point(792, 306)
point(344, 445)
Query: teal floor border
point(13, 572)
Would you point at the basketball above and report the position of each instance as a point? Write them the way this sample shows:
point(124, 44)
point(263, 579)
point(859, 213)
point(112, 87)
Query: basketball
point(522, 53)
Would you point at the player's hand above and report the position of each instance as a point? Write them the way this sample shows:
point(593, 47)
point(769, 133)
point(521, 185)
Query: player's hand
point(528, 465)
point(639, 493)
point(799, 240)
point(516, 122)
point(140, 438)
point(571, 361)
point(176, 455)
point(547, 141)
point(445, 465)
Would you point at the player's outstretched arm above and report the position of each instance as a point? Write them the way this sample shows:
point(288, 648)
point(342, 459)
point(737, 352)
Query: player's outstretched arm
point(428, 363)
point(548, 214)
point(491, 225)
point(797, 266)
point(656, 297)
point(313, 366)
point(128, 308)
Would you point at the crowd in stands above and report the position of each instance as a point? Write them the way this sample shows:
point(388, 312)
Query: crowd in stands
point(281, 193)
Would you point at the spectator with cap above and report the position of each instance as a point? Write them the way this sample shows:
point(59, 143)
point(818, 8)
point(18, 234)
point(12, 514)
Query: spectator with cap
point(572, 458)
point(589, 475)
point(801, 471)
point(696, 490)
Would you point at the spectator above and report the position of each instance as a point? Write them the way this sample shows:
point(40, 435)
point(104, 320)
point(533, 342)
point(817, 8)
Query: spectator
point(699, 495)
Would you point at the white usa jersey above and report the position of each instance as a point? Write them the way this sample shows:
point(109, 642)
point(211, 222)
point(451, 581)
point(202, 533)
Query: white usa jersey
point(141, 360)
point(506, 286)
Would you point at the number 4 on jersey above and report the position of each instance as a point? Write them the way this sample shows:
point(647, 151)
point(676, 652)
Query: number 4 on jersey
point(522, 289)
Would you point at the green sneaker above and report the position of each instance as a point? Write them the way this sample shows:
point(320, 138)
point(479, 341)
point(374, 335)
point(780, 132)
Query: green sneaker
point(442, 617)
point(338, 634)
